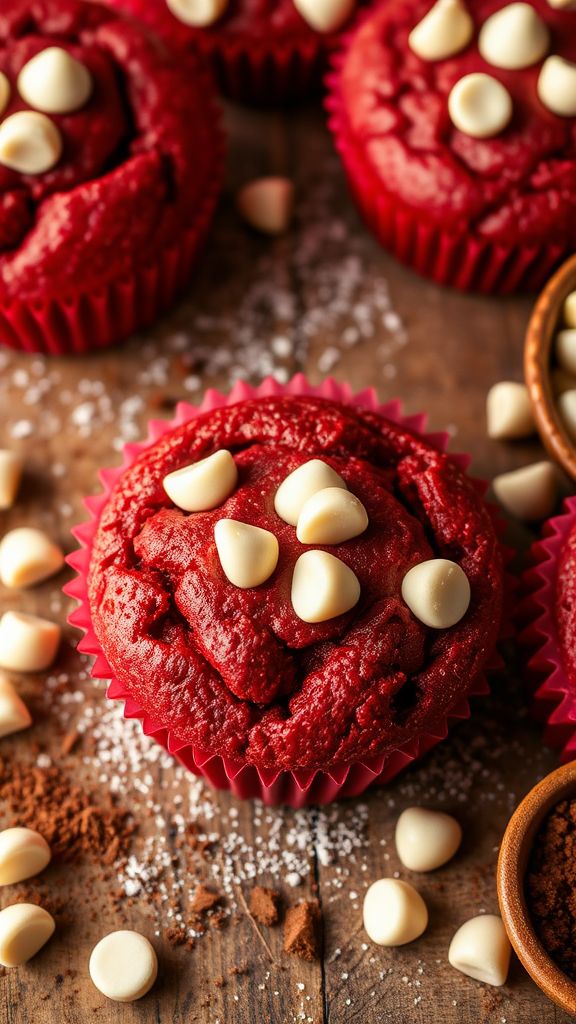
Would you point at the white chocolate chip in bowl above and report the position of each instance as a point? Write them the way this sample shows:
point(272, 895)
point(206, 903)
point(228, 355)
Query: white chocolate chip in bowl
point(55, 82)
point(479, 105)
point(24, 929)
point(565, 350)
point(266, 204)
point(14, 715)
point(481, 950)
point(556, 86)
point(514, 37)
point(508, 411)
point(30, 142)
point(300, 485)
point(198, 13)
point(28, 556)
point(323, 587)
point(444, 31)
point(394, 912)
point(248, 554)
point(528, 493)
point(569, 310)
point(203, 485)
point(331, 516)
point(325, 15)
point(123, 966)
point(437, 592)
point(11, 466)
point(4, 92)
point(567, 409)
point(23, 854)
point(425, 839)
point(27, 642)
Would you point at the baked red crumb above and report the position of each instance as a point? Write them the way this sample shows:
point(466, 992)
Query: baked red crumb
point(566, 605)
point(517, 187)
point(236, 672)
point(137, 158)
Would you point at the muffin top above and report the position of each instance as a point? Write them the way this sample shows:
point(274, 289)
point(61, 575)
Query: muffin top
point(516, 185)
point(566, 605)
point(236, 671)
point(135, 160)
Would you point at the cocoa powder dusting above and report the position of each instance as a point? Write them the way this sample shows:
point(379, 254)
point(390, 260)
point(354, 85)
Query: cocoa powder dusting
point(551, 885)
point(70, 819)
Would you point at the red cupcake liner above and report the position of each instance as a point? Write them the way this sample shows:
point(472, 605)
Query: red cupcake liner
point(296, 788)
point(99, 317)
point(460, 261)
point(553, 693)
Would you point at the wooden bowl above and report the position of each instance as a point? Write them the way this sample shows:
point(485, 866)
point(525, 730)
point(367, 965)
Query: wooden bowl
point(512, 864)
point(542, 327)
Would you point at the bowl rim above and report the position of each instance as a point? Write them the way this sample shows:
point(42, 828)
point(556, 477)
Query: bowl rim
point(512, 863)
point(537, 348)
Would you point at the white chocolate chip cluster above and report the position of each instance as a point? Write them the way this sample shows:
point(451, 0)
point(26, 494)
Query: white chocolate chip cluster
point(395, 912)
point(314, 499)
point(512, 38)
point(321, 15)
point(564, 379)
point(52, 82)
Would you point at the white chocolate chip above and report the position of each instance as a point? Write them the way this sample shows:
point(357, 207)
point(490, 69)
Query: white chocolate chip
point(55, 82)
point(479, 105)
point(203, 485)
point(437, 592)
point(481, 950)
point(29, 142)
point(198, 13)
point(569, 310)
point(331, 516)
point(514, 37)
point(267, 204)
point(300, 485)
point(24, 929)
point(23, 854)
point(27, 642)
point(394, 912)
point(248, 555)
point(528, 493)
point(556, 86)
point(562, 4)
point(445, 30)
point(425, 839)
point(123, 966)
point(567, 410)
point(14, 715)
point(28, 556)
point(11, 467)
point(4, 92)
point(325, 15)
point(508, 411)
point(323, 587)
point(565, 349)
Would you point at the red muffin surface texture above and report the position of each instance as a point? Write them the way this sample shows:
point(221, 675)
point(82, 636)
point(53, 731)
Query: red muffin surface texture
point(235, 675)
point(96, 246)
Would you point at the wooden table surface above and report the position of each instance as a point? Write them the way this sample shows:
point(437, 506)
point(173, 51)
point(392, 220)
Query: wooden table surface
point(324, 299)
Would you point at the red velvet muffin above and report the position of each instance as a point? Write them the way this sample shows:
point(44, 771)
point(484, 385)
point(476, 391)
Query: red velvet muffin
point(263, 51)
point(239, 669)
point(488, 212)
point(549, 636)
point(112, 187)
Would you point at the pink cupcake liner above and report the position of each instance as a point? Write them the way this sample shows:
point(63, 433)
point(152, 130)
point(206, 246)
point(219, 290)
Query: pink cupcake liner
point(265, 74)
point(457, 260)
point(296, 788)
point(553, 693)
point(97, 318)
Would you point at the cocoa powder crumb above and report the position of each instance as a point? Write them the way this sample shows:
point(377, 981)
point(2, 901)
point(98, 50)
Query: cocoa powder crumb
point(302, 930)
point(204, 899)
point(265, 905)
